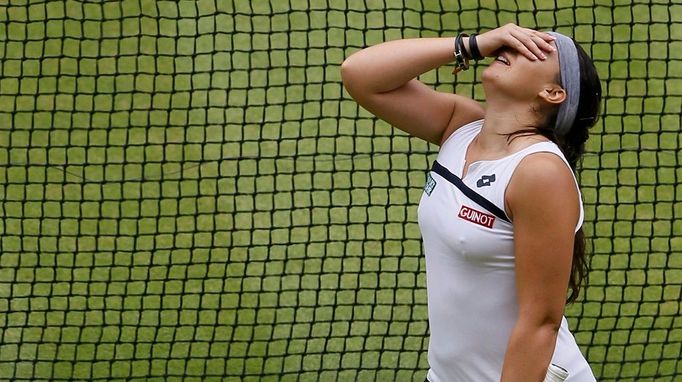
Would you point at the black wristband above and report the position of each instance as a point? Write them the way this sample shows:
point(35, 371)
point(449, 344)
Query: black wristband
point(473, 46)
point(461, 55)
point(460, 45)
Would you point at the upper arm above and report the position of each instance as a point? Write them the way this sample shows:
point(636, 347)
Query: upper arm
point(544, 202)
point(421, 111)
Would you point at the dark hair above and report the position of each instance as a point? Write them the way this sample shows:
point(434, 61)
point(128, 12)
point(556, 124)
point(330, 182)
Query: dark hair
point(572, 145)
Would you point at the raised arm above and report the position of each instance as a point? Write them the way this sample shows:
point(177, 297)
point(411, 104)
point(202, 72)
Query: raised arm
point(382, 79)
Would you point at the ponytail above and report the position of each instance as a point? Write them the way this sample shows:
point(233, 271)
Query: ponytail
point(573, 147)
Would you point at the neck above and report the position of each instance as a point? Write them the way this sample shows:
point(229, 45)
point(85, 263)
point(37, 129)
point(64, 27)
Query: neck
point(501, 120)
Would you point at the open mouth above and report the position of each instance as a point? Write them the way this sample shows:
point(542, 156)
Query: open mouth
point(501, 58)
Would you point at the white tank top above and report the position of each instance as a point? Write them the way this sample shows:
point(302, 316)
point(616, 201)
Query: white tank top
point(470, 267)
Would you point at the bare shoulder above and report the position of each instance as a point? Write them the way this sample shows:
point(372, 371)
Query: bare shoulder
point(542, 182)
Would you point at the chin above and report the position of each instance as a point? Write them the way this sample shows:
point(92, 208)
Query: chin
point(491, 79)
point(498, 84)
point(493, 73)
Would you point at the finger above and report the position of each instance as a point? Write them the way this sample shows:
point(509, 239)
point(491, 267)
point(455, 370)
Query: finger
point(517, 45)
point(534, 44)
point(541, 39)
point(544, 35)
point(542, 43)
point(527, 46)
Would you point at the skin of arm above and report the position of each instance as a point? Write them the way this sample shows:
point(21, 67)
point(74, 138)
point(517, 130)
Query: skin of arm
point(382, 79)
point(543, 202)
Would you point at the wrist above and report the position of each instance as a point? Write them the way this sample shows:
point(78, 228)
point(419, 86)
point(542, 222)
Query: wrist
point(466, 48)
point(466, 41)
point(461, 54)
point(472, 44)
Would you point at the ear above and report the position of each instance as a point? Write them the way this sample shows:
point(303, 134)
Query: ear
point(552, 94)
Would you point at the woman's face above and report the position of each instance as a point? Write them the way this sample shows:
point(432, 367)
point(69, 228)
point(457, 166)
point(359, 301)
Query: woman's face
point(515, 76)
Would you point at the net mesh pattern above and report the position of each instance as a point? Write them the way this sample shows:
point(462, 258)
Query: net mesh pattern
point(187, 192)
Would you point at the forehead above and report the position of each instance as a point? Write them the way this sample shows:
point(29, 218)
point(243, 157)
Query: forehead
point(552, 61)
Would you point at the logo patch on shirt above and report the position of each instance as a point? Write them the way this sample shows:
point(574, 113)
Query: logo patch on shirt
point(430, 184)
point(485, 180)
point(477, 217)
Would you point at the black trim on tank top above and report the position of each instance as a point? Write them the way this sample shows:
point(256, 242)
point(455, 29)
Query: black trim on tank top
point(471, 194)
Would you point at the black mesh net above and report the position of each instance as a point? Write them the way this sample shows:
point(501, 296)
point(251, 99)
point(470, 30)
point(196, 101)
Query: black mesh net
point(186, 191)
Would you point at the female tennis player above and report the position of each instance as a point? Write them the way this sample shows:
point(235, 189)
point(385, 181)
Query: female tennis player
point(501, 211)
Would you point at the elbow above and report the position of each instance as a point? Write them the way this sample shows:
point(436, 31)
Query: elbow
point(530, 331)
point(353, 79)
point(545, 319)
point(551, 327)
point(548, 323)
point(346, 68)
point(348, 74)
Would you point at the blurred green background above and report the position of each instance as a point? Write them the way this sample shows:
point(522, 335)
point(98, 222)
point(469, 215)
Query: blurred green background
point(187, 193)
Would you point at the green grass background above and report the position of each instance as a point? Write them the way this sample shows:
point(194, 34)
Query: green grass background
point(187, 192)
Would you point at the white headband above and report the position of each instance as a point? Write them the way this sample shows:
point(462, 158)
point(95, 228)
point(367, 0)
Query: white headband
point(569, 67)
